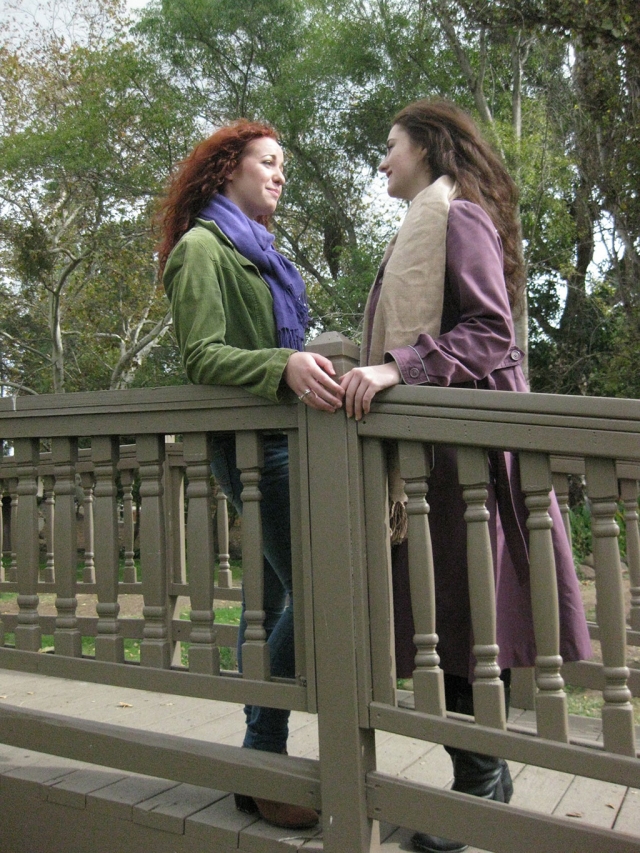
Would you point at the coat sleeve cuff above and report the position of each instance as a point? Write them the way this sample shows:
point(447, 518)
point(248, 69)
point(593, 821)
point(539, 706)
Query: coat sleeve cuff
point(410, 364)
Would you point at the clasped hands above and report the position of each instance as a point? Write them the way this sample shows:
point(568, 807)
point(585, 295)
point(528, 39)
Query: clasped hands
point(311, 377)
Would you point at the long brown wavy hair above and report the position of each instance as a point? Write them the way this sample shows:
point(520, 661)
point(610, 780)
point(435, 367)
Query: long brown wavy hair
point(454, 146)
point(200, 175)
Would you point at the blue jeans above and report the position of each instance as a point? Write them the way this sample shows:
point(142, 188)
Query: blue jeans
point(267, 728)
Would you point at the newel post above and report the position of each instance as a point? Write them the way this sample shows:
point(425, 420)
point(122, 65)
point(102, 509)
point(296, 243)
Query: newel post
point(347, 747)
point(341, 351)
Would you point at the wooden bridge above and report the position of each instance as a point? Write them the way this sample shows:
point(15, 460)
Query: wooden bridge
point(51, 804)
point(103, 754)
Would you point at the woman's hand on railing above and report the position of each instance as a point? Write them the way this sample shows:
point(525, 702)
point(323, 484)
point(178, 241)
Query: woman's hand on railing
point(309, 375)
point(362, 384)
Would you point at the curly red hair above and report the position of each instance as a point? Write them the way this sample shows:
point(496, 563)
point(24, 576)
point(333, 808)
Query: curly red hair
point(200, 176)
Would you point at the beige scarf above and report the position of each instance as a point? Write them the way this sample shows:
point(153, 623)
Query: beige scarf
point(410, 303)
point(412, 291)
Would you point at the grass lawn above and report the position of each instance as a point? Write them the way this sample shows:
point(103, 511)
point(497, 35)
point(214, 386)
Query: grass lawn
point(223, 616)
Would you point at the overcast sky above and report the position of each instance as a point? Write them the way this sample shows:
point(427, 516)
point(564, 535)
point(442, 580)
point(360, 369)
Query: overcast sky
point(31, 7)
point(19, 14)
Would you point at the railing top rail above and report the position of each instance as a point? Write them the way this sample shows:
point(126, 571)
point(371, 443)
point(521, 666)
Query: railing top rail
point(548, 423)
point(612, 408)
point(171, 397)
point(138, 398)
point(169, 410)
point(552, 423)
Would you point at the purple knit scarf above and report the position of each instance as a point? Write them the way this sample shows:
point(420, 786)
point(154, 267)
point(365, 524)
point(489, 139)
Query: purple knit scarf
point(255, 243)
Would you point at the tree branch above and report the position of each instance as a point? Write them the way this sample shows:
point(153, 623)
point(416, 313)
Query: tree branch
point(19, 386)
point(474, 81)
point(326, 190)
point(303, 260)
point(22, 345)
point(145, 342)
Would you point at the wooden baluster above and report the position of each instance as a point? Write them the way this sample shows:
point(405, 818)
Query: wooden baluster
point(126, 479)
point(89, 570)
point(551, 699)
point(155, 648)
point(13, 525)
point(2, 539)
point(488, 689)
point(629, 496)
point(66, 638)
point(378, 544)
point(561, 488)
point(47, 574)
point(204, 655)
point(428, 680)
point(255, 651)
point(175, 539)
point(617, 711)
point(175, 512)
point(225, 578)
point(27, 548)
point(104, 455)
point(2, 572)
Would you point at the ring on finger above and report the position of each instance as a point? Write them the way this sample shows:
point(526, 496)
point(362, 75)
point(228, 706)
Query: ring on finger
point(304, 394)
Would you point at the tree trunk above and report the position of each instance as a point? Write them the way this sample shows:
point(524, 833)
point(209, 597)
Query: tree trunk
point(518, 54)
point(57, 349)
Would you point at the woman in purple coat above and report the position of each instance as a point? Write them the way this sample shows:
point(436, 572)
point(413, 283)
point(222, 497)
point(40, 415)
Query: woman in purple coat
point(440, 313)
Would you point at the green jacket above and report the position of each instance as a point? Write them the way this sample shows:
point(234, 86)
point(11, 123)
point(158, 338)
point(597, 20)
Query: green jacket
point(223, 315)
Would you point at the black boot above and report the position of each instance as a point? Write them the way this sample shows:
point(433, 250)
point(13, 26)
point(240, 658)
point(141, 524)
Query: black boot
point(434, 844)
point(482, 776)
point(473, 773)
point(506, 782)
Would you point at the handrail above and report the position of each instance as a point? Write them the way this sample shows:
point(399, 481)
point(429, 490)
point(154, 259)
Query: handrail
point(340, 546)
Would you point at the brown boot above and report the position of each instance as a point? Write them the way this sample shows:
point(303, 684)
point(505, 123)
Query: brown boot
point(284, 815)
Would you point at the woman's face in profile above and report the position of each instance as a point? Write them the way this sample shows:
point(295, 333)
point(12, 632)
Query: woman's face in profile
point(404, 165)
point(256, 183)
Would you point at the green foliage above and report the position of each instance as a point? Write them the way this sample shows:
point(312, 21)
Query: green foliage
point(580, 533)
point(223, 616)
point(91, 129)
point(583, 703)
point(33, 258)
point(228, 615)
point(78, 172)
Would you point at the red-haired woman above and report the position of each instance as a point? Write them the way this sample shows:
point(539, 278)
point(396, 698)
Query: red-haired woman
point(440, 313)
point(240, 315)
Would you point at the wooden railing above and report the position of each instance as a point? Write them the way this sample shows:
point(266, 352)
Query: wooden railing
point(343, 623)
point(598, 434)
point(586, 673)
point(127, 477)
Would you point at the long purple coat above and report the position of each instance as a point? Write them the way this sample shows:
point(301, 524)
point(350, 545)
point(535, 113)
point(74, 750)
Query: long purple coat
point(476, 348)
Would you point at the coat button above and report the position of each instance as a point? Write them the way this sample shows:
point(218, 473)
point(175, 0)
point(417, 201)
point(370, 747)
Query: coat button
point(515, 355)
point(414, 373)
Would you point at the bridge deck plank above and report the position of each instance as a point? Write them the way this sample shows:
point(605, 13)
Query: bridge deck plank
point(209, 817)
